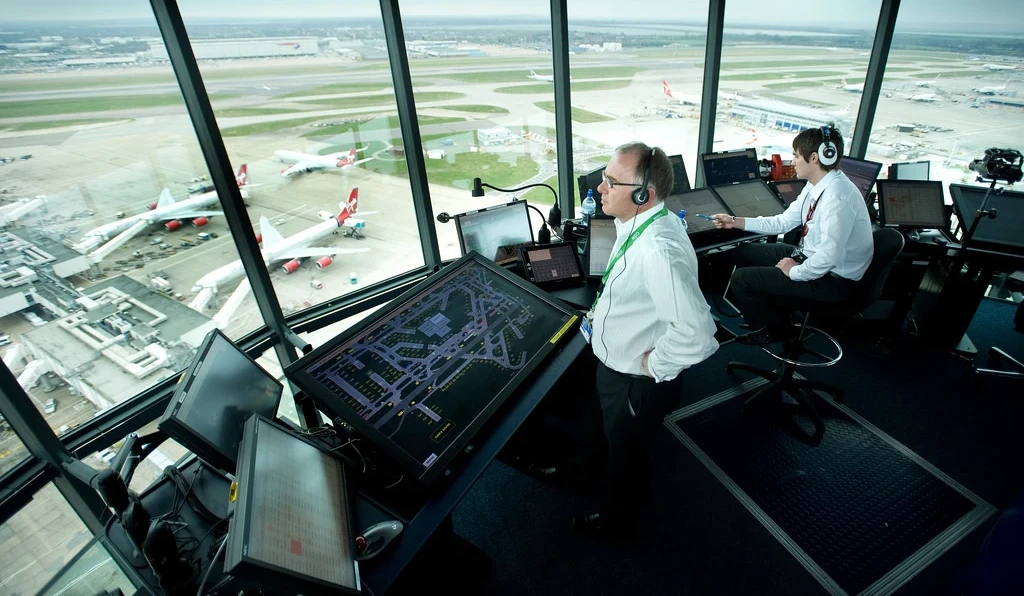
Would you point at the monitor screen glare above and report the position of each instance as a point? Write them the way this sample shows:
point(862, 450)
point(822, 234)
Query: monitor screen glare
point(495, 232)
point(751, 199)
point(730, 166)
point(911, 203)
point(702, 201)
point(600, 241)
point(862, 173)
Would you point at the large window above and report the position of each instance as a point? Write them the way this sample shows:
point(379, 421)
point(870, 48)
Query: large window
point(12, 450)
point(637, 73)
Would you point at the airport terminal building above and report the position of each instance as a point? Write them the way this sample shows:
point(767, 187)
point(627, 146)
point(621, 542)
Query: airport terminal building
point(786, 116)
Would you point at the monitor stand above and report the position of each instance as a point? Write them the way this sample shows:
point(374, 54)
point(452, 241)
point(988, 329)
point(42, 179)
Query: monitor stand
point(912, 234)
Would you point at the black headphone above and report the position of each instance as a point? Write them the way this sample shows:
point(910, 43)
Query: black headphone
point(640, 195)
point(828, 153)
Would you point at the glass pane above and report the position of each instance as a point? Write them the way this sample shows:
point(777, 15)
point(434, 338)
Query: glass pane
point(37, 541)
point(97, 127)
point(783, 75)
point(313, 115)
point(636, 81)
point(92, 572)
point(12, 450)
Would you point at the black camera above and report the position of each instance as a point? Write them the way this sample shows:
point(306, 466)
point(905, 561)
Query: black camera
point(999, 164)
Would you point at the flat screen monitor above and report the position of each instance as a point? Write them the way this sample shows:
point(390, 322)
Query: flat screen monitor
point(789, 190)
point(680, 181)
point(910, 170)
point(1004, 228)
point(292, 527)
point(726, 167)
point(495, 232)
point(750, 199)
point(590, 181)
point(861, 172)
point(221, 389)
point(702, 201)
point(911, 204)
point(552, 266)
point(600, 240)
point(419, 377)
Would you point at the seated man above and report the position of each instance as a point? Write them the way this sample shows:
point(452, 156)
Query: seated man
point(835, 243)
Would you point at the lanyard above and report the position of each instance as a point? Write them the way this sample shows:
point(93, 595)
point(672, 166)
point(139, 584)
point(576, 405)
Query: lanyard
point(622, 250)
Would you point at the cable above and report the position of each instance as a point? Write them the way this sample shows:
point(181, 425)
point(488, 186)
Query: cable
point(715, 297)
point(213, 562)
point(395, 483)
point(352, 443)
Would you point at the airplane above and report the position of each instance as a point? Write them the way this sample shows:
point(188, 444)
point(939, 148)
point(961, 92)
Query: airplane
point(858, 88)
point(1000, 67)
point(533, 75)
point(992, 90)
point(303, 162)
point(928, 83)
point(926, 97)
point(165, 210)
point(292, 249)
point(685, 99)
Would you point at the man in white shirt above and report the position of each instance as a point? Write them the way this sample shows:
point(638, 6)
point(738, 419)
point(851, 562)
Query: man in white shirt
point(835, 248)
point(650, 321)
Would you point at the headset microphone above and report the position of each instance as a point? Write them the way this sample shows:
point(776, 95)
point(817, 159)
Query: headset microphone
point(641, 195)
point(443, 217)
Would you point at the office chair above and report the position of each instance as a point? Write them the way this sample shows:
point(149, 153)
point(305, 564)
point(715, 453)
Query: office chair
point(888, 244)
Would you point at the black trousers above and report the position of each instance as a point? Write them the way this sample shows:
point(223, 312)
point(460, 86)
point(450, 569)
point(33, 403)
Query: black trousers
point(622, 419)
point(765, 295)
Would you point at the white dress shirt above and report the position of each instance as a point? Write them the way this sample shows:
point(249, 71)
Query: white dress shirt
point(838, 235)
point(652, 301)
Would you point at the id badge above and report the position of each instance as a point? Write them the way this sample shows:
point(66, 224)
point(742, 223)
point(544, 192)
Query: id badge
point(585, 327)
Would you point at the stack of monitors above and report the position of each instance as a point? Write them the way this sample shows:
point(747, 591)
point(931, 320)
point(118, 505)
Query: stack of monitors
point(789, 190)
point(726, 167)
point(1002, 230)
point(419, 378)
point(292, 528)
point(221, 389)
point(861, 172)
point(495, 232)
point(600, 241)
point(911, 204)
point(680, 181)
point(702, 201)
point(590, 181)
point(911, 170)
point(750, 199)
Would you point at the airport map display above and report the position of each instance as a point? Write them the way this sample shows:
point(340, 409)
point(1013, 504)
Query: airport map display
point(437, 364)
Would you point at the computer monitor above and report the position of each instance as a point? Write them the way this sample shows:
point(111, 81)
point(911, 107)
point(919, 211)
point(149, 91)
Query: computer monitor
point(701, 201)
point(419, 377)
point(750, 199)
point(789, 190)
point(726, 167)
point(600, 240)
point(216, 395)
point(495, 232)
point(861, 172)
point(590, 181)
point(910, 170)
point(680, 181)
point(292, 527)
point(1004, 228)
point(552, 266)
point(911, 204)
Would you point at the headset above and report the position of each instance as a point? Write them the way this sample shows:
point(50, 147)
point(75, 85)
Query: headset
point(828, 153)
point(640, 195)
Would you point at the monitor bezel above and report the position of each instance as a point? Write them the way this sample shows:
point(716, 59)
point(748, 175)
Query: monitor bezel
point(581, 184)
point(673, 159)
point(764, 184)
point(878, 170)
point(707, 189)
point(954, 193)
point(706, 157)
point(459, 216)
point(883, 218)
point(894, 169)
point(426, 476)
point(554, 284)
point(174, 427)
point(590, 239)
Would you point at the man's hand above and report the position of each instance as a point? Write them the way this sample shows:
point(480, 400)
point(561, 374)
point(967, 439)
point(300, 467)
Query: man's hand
point(643, 363)
point(786, 264)
point(724, 221)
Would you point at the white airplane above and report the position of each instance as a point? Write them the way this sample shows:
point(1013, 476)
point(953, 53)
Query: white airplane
point(683, 98)
point(925, 97)
point(533, 75)
point(858, 88)
point(277, 248)
point(303, 162)
point(165, 210)
point(928, 83)
point(991, 90)
point(1000, 67)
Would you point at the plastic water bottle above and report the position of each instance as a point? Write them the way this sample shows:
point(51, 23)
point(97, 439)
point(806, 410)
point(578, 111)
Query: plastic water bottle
point(589, 207)
point(682, 218)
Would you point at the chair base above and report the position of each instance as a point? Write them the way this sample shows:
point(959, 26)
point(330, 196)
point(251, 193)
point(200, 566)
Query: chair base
point(996, 353)
point(799, 389)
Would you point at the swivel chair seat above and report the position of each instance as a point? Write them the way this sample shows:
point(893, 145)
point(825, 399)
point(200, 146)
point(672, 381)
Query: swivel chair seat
point(887, 245)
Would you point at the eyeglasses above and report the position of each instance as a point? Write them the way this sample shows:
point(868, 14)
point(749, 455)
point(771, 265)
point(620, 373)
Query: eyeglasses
point(612, 185)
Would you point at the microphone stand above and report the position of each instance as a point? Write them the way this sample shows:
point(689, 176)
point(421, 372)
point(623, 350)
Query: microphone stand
point(554, 216)
point(961, 256)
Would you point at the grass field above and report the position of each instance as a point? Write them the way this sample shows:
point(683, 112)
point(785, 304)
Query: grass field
point(105, 103)
point(577, 86)
point(947, 74)
point(774, 76)
point(265, 127)
point(26, 126)
point(512, 76)
point(335, 88)
point(578, 114)
point(381, 123)
point(238, 112)
point(782, 65)
point(801, 84)
point(474, 108)
point(542, 196)
point(495, 169)
point(388, 99)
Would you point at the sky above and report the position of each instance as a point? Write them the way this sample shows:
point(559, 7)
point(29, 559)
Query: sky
point(848, 14)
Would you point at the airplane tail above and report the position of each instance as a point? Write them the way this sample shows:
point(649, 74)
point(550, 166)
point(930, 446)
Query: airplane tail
point(666, 88)
point(349, 208)
point(842, 83)
point(242, 177)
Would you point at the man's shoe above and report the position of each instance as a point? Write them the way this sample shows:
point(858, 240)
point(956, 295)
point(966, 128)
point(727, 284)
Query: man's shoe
point(550, 473)
point(595, 526)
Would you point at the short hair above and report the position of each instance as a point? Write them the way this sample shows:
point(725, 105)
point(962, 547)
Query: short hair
point(808, 140)
point(660, 177)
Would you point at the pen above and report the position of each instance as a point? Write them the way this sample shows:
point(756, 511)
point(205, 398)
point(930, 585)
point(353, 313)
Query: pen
point(707, 217)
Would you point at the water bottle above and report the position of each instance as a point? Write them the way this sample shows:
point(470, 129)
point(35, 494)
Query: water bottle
point(682, 218)
point(589, 207)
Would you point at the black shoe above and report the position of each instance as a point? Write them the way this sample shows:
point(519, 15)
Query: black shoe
point(595, 526)
point(549, 473)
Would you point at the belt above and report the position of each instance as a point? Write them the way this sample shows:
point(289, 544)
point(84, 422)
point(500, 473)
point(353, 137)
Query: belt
point(622, 374)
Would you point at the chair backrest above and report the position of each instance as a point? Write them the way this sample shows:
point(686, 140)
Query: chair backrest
point(888, 244)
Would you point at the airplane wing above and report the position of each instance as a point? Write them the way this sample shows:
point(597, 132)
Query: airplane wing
point(319, 251)
point(299, 168)
point(194, 214)
point(165, 199)
point(269, 233)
